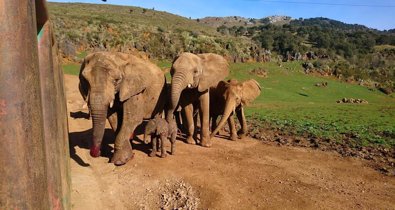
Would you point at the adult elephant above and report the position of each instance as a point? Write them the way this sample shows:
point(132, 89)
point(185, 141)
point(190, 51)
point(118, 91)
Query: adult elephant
point(192, 76)
point(229, 97)
point(125, 89)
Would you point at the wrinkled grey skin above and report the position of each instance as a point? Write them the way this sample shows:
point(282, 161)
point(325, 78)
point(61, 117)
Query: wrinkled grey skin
point(231, 97)
point(124, 89)
point(192, 76)
point(159, 128)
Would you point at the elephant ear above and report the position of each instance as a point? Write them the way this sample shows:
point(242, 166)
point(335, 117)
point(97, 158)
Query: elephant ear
point(83, 86)
point(161, 126)
point(214, 69)
point(134, 80)
point(251, 90)
point(161, 130)
point(222, 85)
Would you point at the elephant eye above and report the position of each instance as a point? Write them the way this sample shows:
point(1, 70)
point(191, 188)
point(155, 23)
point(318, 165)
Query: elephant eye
point(116, 81)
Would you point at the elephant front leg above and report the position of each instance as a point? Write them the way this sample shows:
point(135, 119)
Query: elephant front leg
point(204, 113)
point(154, 139)
point(115, 115)
point(123, 149)
point(241, 117)
point(190, 123)
point(113, 120)
point(163, 138)
point(232, 128)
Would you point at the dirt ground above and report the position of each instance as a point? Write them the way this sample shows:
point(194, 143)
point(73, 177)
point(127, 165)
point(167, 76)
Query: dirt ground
point(245, 174)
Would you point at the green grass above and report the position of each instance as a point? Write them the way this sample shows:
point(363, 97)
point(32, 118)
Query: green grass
point(73, 69)
point(165, 65)
point(289, 99)
point(82, 55)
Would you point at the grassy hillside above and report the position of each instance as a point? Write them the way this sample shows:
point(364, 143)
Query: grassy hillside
point(89, 27)
point(134, 17)
point(290, 100)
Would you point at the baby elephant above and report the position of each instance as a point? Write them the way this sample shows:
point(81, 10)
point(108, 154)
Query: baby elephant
point(160, 128)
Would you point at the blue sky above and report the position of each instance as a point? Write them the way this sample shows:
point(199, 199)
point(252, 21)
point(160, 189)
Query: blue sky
point(378, 14)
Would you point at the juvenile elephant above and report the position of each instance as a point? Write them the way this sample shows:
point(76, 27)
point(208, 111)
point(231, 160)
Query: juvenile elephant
point(160, 129)
point(126, 90)
point(192, 76)
point(229, 97)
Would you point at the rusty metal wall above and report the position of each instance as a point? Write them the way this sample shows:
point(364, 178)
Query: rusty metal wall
point(54, 113)
point(22, 157)
point(34, 156)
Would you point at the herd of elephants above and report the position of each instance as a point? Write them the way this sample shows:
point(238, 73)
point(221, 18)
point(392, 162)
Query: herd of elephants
point(127, 90)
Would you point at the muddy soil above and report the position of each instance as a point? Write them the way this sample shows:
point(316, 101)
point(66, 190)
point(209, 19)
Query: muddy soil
point(243, 174)
point(380, 158)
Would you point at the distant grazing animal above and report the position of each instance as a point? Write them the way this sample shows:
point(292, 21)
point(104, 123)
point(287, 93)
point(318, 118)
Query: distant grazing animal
point(321, 84)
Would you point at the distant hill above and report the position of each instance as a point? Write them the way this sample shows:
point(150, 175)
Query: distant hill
point(329, 23)
point(350, 51)
point(241, 21)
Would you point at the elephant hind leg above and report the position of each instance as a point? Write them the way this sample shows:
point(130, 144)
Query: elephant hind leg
point(173, 142)
point(190, 122)
point(243, 122)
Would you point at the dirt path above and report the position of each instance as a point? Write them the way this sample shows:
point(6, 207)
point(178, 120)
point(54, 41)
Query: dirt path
point(245, 174)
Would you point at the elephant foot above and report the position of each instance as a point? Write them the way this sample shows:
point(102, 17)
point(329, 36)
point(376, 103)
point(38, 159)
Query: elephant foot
point(122, 156)
point(241, 134)
point(233, 137)
point(152, 154)
point(206, 142)
point(163, 155)
point(190, 140)
point(95, 151)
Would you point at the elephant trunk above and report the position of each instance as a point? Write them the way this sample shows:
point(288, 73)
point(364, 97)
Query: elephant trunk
point(99, 114)
point(146, 134)
point(178, 84)
point(230, 106)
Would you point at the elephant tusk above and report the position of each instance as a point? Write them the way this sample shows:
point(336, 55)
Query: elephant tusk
point(189, 85)
point(111, 104)
point(85, 105)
